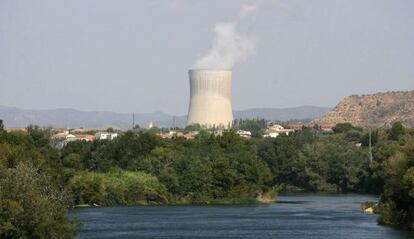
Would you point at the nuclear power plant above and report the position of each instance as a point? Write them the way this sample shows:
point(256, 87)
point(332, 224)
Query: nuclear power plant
point(210, 98)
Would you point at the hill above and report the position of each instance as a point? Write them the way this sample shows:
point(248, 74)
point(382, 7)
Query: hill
point(380, 109)
point(71, 118)
point(282, 114)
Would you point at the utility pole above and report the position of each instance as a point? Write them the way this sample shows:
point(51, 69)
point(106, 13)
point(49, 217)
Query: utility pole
point(133, 120)
point(370, 146)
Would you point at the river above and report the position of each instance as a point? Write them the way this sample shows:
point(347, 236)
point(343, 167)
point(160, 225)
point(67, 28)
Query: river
point(293, 216)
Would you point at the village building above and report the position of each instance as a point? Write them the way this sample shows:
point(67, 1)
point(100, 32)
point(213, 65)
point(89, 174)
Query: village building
point(178, 133)
point(106, 135)
point(244, 134)
point(60, 140)
point(62, 136)
point(276, 130)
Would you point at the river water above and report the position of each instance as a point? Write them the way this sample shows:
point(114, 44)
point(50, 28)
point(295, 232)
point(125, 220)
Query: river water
point(293, 216)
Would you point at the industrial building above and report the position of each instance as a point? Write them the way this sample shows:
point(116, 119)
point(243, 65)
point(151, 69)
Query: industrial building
point(210, 98)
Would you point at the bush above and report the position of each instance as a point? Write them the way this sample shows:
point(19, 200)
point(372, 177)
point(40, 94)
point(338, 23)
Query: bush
point(31, 207)
point(397, 131)
point(118, 187)
point(345, 127)
point(129, 188)
point(88, 187)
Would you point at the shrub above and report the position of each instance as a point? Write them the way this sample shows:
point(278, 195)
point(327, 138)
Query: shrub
point(118, 187)
point(88, 187)
point(31, 207)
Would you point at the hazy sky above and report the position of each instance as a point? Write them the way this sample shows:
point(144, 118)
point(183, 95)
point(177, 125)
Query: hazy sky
point(127, 56)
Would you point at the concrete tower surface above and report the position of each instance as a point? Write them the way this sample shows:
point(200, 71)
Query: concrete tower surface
point(210, 98)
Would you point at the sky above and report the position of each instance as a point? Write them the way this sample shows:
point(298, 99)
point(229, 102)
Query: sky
point(134, 56)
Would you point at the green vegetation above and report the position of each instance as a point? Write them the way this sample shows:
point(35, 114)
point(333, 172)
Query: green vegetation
point(139, 167)
point(116, 188)
point(32, 205)
point(344, 128)
point(255, 126)
point(396, 205)
point(32, 208)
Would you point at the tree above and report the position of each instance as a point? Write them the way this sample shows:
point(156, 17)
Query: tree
point(72, 161)
point(196, 179)
point(224, 176)
point(38, 136)
point(32, 207)
point(395, 204)
point(1, 127)
point(88, 188)
point(344, 127)
point(353, 135)
point(408, 183)
point(255, 126)
point(397, 130)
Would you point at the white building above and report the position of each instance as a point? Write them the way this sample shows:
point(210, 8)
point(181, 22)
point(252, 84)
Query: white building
point(106, 135)
point(62, 136)
point(276, 130)
point(62, 143)
point(244, 133)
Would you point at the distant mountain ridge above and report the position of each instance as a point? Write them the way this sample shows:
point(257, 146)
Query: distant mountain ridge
point(71, 118)
point(379, 109)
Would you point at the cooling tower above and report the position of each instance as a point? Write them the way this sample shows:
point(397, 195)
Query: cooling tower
point(210, 98)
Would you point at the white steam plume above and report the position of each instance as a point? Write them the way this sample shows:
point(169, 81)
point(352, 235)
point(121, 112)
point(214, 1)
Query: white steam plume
point(246, 10)
point(229, 46)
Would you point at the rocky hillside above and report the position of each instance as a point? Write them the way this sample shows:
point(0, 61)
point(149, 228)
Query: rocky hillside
point(380, 109)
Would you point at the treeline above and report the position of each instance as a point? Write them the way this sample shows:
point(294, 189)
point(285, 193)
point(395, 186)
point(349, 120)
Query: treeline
point(141, 168)
point(207, 169)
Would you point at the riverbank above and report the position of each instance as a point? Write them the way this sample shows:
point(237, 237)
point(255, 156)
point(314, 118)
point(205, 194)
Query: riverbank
point(223, 201)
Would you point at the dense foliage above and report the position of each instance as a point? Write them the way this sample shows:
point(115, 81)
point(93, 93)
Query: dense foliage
point(396, 205)
point(139, 167)
point(32, 205)
point(255, 126)
point(116, 188)
point(196, 171)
